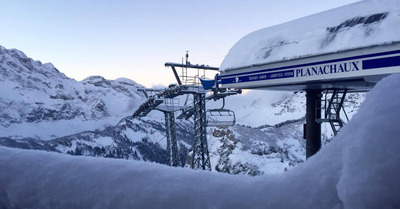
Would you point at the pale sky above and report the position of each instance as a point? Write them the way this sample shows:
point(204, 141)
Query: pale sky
point(133, 39)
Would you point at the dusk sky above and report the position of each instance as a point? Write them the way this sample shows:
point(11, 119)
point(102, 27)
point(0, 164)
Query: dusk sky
point(133, 39)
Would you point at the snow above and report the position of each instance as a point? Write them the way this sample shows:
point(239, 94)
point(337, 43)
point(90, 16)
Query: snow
point(38, 101)
point(47, 130)
point(359, 169)
point(311, 35)
point(250, 151)
point(105, 141)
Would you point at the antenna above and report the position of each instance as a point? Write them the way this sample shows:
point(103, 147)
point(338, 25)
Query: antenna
point(187, 58)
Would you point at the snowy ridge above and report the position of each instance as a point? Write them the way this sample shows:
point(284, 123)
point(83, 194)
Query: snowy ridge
point(361, 24)
point(36, 98)
point(134, 140)
point(359, 169)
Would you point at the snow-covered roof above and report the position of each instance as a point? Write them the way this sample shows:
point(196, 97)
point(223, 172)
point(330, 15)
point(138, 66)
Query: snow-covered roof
point(361, 24)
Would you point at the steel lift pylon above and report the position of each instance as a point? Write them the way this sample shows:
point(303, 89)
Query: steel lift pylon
point(154, 102)
point(172, 143)
point(200, 156)
point(187, 84)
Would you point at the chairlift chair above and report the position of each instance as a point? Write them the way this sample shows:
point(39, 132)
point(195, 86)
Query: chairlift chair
point(220, 117)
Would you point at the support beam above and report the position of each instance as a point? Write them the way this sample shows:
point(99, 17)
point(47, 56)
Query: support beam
point(200, 157)
point(176, 75)
point(313, 128)
point(205, 67)
point(172, 144)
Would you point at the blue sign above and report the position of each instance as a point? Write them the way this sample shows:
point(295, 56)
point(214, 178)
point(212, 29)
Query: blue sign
point(335, 66)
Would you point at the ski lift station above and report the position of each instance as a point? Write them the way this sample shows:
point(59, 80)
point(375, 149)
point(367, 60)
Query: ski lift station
point(348, 49)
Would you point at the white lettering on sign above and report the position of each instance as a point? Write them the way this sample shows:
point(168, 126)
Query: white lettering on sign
point(328, 69)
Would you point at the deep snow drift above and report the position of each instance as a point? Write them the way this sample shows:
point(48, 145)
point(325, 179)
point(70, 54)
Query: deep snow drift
point(359, 169)
point(361, 24)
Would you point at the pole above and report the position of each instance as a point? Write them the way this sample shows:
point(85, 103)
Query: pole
point(313, 129)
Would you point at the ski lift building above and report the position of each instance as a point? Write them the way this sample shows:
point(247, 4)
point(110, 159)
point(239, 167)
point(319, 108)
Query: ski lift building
point(350, 48)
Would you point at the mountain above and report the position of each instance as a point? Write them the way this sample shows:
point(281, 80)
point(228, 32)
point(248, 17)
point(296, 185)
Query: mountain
point(36, 97)
point(43, 109)
point(269, 136)
point(359, 169)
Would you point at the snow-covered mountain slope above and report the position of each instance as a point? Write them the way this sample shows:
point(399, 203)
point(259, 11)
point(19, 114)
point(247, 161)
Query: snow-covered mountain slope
point(43, 109)
point(361, 24)
point(269, 138)
point(135, 140)
point(38, 101)
point(359, 169)
point(250, 151)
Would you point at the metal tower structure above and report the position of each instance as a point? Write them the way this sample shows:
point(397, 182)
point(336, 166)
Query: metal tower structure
point(195, 85)
point(200, 156)
point(172, 143)
point(191, 82)
point(154, 102)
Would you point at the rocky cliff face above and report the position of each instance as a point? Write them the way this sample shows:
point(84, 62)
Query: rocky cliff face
point(254, 151)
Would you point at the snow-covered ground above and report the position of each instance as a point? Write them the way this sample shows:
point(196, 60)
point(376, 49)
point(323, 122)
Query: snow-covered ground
point(359, 169)
point(361, 24)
